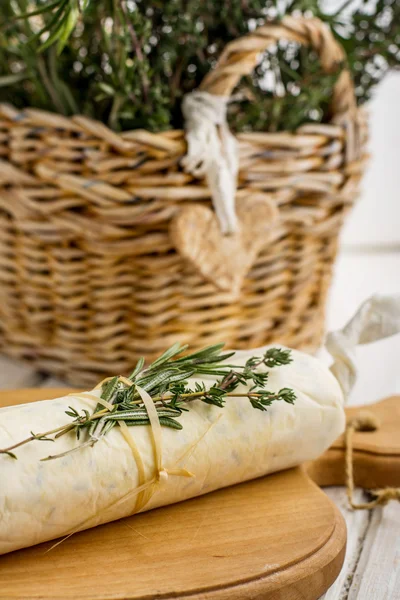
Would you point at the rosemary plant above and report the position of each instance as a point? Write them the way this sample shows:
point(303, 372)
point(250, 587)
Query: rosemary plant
point(166, 380)
point(128, 62)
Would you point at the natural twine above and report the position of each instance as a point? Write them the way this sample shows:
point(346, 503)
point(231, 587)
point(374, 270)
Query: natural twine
point(146, 489)
point(364, 421)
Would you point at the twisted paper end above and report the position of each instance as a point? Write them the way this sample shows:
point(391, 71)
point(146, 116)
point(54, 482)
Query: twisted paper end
point(377, 318)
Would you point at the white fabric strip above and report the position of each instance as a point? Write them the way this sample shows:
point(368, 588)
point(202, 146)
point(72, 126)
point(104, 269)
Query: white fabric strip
point(377, 318)
point(212, 152)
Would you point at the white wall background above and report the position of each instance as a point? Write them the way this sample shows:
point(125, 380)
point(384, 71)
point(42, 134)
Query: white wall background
point(375, 221)
point(369, 261)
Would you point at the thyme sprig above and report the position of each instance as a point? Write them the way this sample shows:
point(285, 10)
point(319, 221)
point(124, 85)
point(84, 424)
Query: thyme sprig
point(166, 380)
point(128, 62)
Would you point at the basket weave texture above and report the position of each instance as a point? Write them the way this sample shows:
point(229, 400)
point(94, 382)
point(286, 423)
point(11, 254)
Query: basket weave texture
point(90, 274)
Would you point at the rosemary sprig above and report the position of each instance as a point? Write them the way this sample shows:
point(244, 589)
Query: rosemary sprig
point(128, 62)
point(166, 380)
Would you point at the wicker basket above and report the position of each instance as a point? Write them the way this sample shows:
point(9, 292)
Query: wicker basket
point(93, 268)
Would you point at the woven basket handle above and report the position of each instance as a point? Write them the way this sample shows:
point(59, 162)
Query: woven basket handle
point(241, 56)
point(212, 150)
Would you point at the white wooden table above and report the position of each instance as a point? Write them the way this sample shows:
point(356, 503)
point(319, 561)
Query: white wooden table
point(369, 263)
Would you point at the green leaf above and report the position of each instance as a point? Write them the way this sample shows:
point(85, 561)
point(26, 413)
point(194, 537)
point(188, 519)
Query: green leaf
point(287, 395)
point(205, 353)
point(53, 23)
point(169, 422)
point(55, 35)
point(108, 390)
point(106, 88)
point(72, 412)
point(208, 370)
point(42, 438)
point(275, 357)
point(10, 454)
point(7, 80)
point(138, 368)
point(213, 359)
point(150, 382)
point(168, 355)
point(67, 28)
point(39, 11)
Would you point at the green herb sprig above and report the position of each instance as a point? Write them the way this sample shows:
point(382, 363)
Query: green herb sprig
point(128, 62)
point(166, 380)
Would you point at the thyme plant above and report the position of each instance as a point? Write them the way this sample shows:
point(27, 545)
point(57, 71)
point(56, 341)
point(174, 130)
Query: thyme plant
point(128, 62)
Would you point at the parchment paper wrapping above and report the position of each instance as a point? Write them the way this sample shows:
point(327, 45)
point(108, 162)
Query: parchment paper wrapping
point(41, 501)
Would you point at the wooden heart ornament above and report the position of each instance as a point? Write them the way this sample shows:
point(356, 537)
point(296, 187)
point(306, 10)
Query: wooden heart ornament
point(224, 260)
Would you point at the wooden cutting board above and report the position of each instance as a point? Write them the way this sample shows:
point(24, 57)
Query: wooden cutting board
point(275, 538)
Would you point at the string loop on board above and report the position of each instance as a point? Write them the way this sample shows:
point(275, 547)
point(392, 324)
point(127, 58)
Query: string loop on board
point(364, 421)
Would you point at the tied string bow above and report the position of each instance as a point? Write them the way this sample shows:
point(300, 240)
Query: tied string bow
point(145, 489)
point(161, 474)
point(212, 152)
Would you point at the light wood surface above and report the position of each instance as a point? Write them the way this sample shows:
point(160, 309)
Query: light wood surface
point(278, 537)
point(26, 395)
point(376, 454)
point(378, 570)
point(357, 523)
